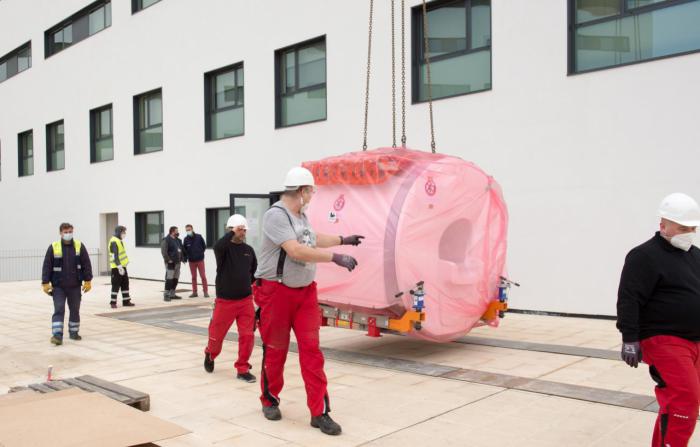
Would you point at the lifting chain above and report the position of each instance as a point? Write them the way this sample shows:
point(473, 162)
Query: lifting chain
point(426, 54)
point(369, 59)
point(403, 75)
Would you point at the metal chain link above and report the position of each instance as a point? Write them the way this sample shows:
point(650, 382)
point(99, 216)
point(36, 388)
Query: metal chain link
point(426, 54)
point(403, 75)
point(393, 77)
point(369, 59)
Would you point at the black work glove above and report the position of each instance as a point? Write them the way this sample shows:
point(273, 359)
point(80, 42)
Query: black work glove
point(632, 353)
point(355, 239)
point(346, 261)
point(171, 266)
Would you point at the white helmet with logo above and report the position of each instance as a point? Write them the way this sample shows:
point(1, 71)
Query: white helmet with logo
point(236, 221)
point(680, 208)
point(298, 177)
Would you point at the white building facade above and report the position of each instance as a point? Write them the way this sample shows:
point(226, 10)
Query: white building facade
point(586, 113)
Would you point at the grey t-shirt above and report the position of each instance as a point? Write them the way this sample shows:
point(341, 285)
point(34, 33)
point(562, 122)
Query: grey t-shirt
point(277, 230)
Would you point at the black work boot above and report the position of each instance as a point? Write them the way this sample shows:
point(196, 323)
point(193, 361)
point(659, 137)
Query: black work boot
point(272, 413)
point(326, 424)
point(128, 303)
point(208, 363)
point(75, 336)
point(113, 305)
point(246, 377)
point(57, 340)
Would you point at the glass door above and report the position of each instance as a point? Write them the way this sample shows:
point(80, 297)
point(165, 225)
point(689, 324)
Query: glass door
point(253, 206)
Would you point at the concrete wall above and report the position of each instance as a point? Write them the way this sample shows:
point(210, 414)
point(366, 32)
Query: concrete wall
point(583, 160)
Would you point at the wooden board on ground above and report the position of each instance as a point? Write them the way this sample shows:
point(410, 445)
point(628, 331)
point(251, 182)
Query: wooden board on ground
point(102, 421)
point(120, 393)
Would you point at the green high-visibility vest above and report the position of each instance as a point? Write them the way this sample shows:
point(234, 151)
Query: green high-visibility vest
point(121, 253)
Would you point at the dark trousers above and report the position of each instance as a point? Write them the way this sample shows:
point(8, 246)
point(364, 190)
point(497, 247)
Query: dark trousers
point(60, 296)
point(172, 277)
point(120, 282)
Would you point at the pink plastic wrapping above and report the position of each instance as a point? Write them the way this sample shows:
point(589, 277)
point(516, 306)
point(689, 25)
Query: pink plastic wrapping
point(428, 217)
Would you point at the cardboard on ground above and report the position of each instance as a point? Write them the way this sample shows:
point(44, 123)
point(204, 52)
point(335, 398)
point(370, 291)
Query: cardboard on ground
point(78, 419)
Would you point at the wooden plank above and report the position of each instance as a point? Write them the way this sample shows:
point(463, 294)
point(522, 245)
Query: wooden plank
point(89, 387)
point(120, 393)
point(140, 400)
point(40, 387)
point(58, 385)
point(134, 394)
point(143, 404)
point(18, 389)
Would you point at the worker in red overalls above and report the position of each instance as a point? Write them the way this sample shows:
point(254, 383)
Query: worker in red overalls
point(286, 293)
point(235, 265)
point(658, 311)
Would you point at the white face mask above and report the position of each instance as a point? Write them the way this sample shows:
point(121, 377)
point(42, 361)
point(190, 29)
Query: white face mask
point(683, 241)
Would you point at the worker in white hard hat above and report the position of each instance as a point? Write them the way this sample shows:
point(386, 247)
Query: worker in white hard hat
point(235, 266)
point(658, 314)
point(286, 293)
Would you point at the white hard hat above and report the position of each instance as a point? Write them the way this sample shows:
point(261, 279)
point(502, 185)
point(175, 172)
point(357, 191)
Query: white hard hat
point(298, 177)
point(236, 221)
point(680, 208)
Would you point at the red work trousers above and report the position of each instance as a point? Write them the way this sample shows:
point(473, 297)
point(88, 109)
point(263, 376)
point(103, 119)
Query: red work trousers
point(283, 309)
point(674, 364)
point(194, 267)
point(225, 313)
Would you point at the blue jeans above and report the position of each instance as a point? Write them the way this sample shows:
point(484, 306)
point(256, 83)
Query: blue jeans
point(60, 296)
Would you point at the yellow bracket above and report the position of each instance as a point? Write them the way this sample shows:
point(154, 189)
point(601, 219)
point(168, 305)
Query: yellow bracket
point(407, 322)
point(494, 308)
point(343, 324)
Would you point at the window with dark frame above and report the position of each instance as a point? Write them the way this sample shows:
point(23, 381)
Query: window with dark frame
point(55, 149)
point(223, 102)
point(216, 219)
point(149, 228)
point(25, 153)
point(101, 137)
point(138, 5)
point(300, 83)
point(16, 61)
point(148, 122)
point(81, 25)
point(610, 33)
point(459, 45)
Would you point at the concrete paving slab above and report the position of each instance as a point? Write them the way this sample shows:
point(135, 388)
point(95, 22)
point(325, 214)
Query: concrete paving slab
point(391, 391)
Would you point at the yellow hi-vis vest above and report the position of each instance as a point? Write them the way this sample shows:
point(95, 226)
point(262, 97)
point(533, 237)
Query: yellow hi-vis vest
point(121, 253)
point(57, 248)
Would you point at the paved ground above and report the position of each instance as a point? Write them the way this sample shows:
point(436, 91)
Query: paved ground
point(388, 392)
